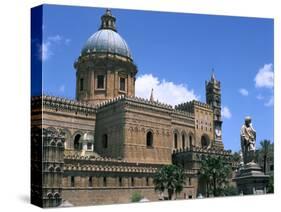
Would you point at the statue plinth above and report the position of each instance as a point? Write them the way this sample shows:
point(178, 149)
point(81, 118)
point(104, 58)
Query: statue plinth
point(251, 180)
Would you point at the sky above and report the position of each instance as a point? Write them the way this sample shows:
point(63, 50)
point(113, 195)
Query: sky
point(175, 53)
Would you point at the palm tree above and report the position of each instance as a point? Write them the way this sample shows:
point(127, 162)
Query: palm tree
point(265, 151)
point(216, 172)
point(170, 178)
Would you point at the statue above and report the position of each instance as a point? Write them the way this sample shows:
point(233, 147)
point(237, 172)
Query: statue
point(248, 141)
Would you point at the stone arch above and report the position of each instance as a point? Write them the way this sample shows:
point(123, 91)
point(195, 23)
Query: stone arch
point(59, 144)
point(51, 168)
point(68, 144)
point(50, 195)
point(176, 139)
point(57, 195)
point(53, 142)
point(58, 169)
point(183, 139)
point(205, 141)
point(149, 138)
point(76, 140)
point(191, 140)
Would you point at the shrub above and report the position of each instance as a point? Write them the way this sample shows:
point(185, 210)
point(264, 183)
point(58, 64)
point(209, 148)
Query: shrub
point(136, 197)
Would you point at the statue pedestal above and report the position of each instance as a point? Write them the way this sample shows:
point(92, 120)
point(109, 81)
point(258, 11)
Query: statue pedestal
point(251, 179)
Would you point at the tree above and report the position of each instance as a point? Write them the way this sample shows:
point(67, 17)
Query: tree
point(270, 185)
point(216, 172)
point(264, 152)
point(170, 178)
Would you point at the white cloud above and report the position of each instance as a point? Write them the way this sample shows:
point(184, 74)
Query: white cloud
point(270, 102)
point(163, 91)
point(225, 112)
point(45, 51)
point(243, 92)
point(56, 38)
point(265, 77)
point(47, 47)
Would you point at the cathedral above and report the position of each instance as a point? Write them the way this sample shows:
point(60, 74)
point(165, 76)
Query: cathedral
point(108, 143)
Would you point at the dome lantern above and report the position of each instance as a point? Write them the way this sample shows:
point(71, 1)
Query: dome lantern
point(108, 21)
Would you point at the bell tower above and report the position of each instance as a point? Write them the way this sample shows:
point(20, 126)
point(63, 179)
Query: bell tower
point(213, 98)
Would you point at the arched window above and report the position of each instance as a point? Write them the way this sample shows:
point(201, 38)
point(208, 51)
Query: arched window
point(57, 195)
point(100, 82)
point(132, 181)
point(58, 169)
point(77, 142)
point(104, 182)
point(59, 144)
point(51, 168)
point(190, 141)
point(149, 139)
point(104, 141)
point(175, 140)
point(147, 181)
point(120, 181)
point(81, 84)
point(57, 199)
point(122, 83)
point(183, 141)
point(50, 195)
point(90, 184)
point(72, 181)
point(205, 141)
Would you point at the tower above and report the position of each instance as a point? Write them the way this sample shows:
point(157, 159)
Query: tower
point(105, 68)
point(213, 98)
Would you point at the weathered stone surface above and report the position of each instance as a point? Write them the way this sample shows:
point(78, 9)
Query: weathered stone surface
point(251, 180)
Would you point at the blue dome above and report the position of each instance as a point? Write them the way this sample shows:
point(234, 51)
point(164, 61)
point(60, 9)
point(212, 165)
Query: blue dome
point(107, 40)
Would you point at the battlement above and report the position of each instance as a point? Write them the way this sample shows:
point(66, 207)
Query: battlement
point(201, 104)
point(189, 106)
point(134, 99)
point(183, 113)
point(109, 168)
point(212, 151)
point(63, 104)
point(105, 164)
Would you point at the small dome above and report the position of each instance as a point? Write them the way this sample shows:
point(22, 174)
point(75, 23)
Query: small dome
point(107, 40)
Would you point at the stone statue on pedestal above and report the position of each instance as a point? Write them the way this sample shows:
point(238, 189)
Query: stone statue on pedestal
point(248, 141)
point(250, 179)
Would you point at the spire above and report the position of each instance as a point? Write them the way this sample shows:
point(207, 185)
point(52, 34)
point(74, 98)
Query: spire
point(213, 78)
point(151, 96)
point(108, 21)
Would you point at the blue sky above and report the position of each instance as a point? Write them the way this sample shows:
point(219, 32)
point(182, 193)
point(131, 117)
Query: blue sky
point(175, 53)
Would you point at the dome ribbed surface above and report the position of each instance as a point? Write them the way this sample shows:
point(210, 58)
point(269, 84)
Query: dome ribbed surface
point(106, 40)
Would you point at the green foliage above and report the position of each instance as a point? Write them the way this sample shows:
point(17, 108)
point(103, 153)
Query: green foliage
point(236, 157)
point(270, 186)
point(265, 153)
point(136, 197)
point(230, 191)
point(215, 170)
point(170, 178)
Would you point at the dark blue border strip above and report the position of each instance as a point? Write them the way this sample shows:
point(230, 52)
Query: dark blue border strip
point(36, 53)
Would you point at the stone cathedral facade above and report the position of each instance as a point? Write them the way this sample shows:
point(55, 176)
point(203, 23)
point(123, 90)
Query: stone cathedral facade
point(108, 143)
